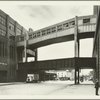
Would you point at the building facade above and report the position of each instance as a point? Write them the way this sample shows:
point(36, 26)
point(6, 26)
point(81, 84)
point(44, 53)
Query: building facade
point(96, 47)
point(9, 29)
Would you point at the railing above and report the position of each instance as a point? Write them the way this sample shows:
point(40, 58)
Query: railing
point(87, 28)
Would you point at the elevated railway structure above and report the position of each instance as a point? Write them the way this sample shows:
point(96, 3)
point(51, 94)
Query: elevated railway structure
point(70, 30)
point(56, 64)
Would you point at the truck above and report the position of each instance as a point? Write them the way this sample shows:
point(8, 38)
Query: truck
point(32, 78)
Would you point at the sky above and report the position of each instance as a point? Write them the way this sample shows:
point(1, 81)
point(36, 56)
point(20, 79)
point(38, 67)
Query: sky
point(42, 14)
point(39, 15)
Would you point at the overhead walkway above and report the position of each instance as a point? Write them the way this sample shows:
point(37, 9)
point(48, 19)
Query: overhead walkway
point(60, 32)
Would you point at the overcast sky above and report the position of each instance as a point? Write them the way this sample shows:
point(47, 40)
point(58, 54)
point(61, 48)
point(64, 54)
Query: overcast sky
point(41, 14)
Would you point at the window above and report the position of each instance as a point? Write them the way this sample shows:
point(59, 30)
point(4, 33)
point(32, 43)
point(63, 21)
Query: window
point(2, 32)
point(53, 29)
point(18, 38)
point(65, 25)
point(72, 23)
point(19, 32)
point(48, 31)
point(34, 35)
point(11, 27)
point(86, 20)
point(2, 20)
point(21, 38)
point(38, 34)
point(30, 36)
point(59, 27)
point(44, 32)
point(11, 37)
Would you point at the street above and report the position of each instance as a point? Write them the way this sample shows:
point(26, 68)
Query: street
point(51, 89)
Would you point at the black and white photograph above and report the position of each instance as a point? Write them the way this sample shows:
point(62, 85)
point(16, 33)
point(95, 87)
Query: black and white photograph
point(49, 49)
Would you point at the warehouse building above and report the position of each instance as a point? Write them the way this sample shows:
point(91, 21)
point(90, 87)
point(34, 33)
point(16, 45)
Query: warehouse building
point(9, 29)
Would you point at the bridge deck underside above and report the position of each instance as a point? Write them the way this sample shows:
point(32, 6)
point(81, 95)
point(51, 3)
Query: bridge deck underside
point(61, 39)
point(59, 64)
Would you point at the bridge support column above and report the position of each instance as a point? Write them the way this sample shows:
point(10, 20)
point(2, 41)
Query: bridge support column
point(25, 54)
point(76, 39)
point(76, 76)
point(36, 55)
point(25, 50)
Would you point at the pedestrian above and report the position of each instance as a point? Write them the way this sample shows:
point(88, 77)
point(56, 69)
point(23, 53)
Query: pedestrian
point(96, 87)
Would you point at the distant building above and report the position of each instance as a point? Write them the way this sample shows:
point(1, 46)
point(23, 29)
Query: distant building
point(63, 74)
point(67, 75)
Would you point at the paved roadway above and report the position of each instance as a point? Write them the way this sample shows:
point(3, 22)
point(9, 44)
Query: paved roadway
point(50, 88)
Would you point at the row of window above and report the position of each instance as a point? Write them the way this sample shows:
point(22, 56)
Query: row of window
point(56, 28)
point(20, 38)
point(52, 29)
point(11, 37)
point(3, 49)
point(2, 20)
point(2, 32)
point(12, 28)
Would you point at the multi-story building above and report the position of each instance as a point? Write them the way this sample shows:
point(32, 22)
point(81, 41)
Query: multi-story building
point(9, 29)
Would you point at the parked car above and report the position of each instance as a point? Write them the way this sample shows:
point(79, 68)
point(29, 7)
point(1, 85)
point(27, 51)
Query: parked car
point(32, 78)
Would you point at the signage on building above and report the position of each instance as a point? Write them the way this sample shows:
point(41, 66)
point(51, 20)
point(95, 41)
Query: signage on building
point(1, 63)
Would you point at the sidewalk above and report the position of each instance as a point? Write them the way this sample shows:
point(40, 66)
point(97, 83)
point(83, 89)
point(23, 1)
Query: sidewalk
point(53, 82)
point(11, 83)
point(48, 89)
